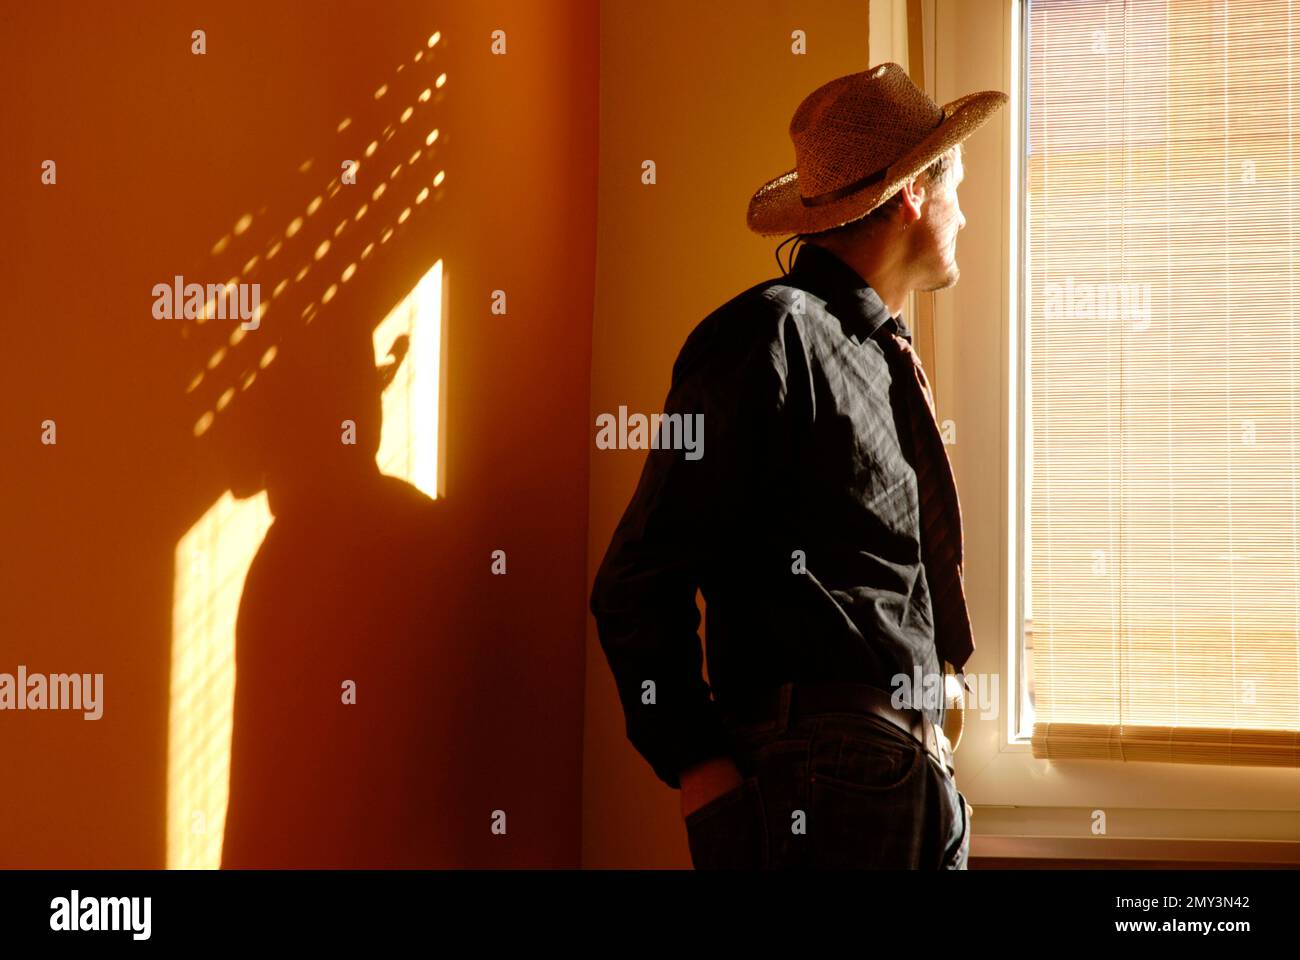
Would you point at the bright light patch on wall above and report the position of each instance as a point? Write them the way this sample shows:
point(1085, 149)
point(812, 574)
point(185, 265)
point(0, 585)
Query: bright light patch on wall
point(211, 561)
point(408, 447)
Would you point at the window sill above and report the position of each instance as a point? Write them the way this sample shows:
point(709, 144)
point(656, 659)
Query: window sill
point(1150, 852)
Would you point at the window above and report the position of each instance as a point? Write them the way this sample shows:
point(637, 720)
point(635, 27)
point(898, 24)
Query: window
point(1161, 522)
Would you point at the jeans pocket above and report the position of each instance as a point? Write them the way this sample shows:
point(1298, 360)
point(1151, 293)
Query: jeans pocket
point(866, 801)
point(867, 757)
point(730, 831)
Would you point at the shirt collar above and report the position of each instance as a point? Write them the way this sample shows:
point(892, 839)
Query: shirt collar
point(848, 297)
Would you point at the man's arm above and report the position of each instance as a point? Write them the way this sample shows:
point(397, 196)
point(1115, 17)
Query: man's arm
point(680, 521)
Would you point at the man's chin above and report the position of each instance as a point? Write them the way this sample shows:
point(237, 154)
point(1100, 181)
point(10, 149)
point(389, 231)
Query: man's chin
point(948, 281)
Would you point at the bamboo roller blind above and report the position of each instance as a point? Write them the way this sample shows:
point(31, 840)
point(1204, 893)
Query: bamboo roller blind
point(1161, 562)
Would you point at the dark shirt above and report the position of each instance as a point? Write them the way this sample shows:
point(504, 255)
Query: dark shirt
point(805, 428)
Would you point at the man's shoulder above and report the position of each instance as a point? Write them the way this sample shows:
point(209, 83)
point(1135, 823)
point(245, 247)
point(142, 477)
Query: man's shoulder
point(753, 316)
point(732, 330)
point(775, 296)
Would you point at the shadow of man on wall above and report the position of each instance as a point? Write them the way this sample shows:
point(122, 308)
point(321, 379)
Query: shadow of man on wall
point(339, 755)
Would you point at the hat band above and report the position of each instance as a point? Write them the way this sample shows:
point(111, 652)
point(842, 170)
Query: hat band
point(839, 193)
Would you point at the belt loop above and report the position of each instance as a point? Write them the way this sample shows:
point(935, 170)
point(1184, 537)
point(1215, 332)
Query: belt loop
point(783, 707)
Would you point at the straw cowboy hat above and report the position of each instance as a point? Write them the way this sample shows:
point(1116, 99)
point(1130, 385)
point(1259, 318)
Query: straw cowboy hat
point(857, 140)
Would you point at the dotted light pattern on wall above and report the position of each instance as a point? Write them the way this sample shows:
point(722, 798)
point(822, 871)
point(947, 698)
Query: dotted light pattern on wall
point(387, 194)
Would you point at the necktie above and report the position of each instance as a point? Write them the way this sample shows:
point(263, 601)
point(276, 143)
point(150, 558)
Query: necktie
point(941, 533)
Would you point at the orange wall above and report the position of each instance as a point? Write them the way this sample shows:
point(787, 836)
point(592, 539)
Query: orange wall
point(707, 92)
point(159, 152)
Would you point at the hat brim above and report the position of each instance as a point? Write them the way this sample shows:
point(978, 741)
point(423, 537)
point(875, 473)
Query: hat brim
point(777, 208)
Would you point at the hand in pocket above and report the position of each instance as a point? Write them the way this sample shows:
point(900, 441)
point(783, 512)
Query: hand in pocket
point(705, 782)
point(730, 831)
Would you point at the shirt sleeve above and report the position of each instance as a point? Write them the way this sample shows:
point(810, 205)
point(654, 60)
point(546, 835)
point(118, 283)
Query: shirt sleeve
point(682, 521)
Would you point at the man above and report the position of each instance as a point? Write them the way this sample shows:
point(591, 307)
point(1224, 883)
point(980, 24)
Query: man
point(822, 526)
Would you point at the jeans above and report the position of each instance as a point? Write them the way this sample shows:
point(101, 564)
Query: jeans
point(832, 791)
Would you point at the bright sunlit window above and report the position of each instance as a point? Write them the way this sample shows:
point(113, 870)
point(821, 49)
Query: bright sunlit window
point(1161, 540)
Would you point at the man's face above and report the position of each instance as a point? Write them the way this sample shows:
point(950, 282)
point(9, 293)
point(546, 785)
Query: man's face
point(934, 235)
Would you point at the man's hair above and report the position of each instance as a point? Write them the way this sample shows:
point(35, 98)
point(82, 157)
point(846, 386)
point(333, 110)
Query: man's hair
point(936, 174)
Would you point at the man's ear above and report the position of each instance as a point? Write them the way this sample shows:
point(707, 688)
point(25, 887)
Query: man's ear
point(914, 197)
